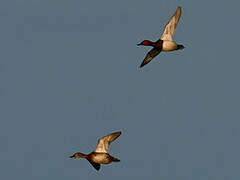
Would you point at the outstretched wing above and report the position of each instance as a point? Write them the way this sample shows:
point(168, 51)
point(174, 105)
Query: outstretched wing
point(150, 55)
point(171, 26)
point(95, 165)
point(104, 142)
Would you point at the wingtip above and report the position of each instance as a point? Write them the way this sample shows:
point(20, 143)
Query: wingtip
point(118, 133)
point(143, 64)
point(179, 9)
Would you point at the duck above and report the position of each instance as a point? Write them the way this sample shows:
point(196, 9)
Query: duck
point(100, 155)
point(166, 42)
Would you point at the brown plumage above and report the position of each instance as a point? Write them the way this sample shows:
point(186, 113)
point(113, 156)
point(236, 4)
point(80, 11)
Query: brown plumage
point(100, 154)
point(165, 43)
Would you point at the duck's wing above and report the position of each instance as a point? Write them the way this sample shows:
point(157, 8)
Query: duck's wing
point(171, 26)
point(150, 55)
point(104, 142)
point(95, 165)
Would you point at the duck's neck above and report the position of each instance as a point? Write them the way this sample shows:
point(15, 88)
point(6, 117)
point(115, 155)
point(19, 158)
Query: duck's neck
point(150, 43)
point(154, 44)
point(81, 155)
point(157, 44)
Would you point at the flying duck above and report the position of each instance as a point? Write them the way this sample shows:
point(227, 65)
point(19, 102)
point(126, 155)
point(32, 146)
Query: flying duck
point(100, 154)
point(166, 42)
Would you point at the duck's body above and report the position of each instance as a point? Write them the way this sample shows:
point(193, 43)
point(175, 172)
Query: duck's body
point(169, 46)
point(100, 154)
point(102, 158)
point(166, 42)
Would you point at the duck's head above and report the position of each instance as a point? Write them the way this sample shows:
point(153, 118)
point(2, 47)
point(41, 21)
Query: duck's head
point(145, 43)
point(78, 155)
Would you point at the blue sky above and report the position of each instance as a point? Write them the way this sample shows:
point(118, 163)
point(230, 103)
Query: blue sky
point(69, 75)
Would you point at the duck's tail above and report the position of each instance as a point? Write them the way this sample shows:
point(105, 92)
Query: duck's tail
point(180, 46)
point(114, 159)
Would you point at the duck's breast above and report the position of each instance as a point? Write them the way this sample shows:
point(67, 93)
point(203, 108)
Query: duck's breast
point(169, 46)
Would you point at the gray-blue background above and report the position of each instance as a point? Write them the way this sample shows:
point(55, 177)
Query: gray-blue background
point(69, 75)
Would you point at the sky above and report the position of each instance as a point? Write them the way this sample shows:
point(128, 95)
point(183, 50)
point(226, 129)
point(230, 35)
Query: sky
point(69, 74)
